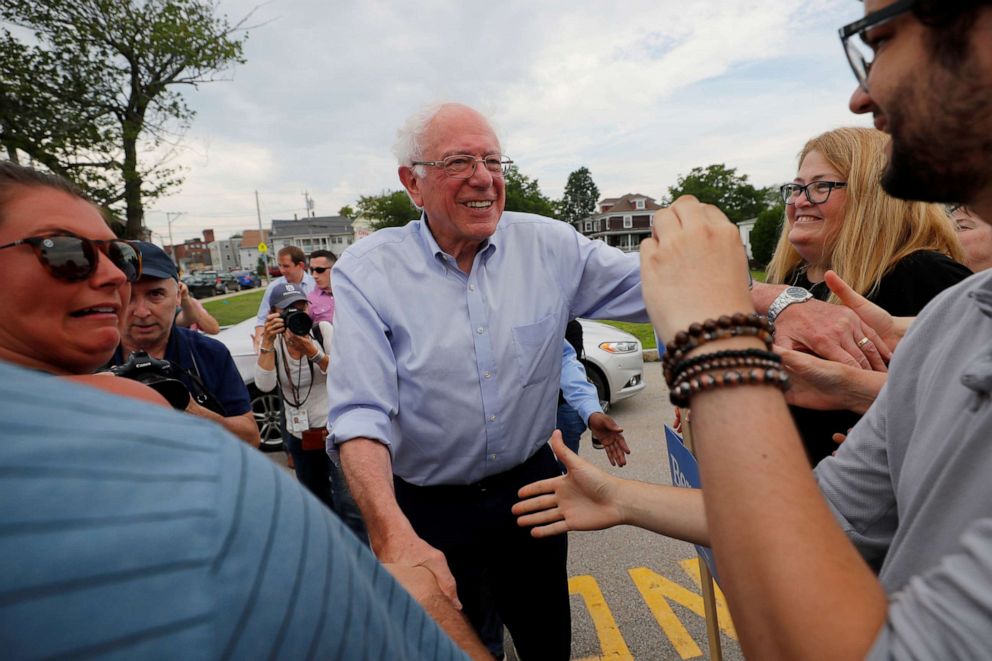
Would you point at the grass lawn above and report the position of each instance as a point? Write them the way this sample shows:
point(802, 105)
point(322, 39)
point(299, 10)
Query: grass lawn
point(234, 309)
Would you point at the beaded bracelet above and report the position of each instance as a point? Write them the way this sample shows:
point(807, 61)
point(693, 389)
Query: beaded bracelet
point(726, 363)
point(739, 325)
point(726, 358)
point(682, 393)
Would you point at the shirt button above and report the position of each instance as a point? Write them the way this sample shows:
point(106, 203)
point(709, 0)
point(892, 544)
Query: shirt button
point(471, 287)
point(488, 375)
point(480, 330)
point(492, 418)
point(492, 457)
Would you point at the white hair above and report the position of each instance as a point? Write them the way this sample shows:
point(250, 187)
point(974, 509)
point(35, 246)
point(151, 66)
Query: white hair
point(409, 145)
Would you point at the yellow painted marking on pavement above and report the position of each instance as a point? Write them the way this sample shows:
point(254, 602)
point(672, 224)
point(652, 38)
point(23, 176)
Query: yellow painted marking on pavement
point(655, 589)
point(610, 639)
point(691, 567)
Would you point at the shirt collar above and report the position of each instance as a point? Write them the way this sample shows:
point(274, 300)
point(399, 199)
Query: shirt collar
point(443, 258)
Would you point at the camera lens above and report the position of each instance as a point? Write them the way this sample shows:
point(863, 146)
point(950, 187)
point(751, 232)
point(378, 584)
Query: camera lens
point(298, 322)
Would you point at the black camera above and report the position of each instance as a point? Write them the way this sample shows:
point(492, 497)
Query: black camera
point(297, 321)
point(159, 375)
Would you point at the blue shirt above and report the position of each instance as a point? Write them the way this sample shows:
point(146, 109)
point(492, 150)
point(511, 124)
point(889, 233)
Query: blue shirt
point(136, 532)
point(580, 394)
point(458, 374)
point(265, 308)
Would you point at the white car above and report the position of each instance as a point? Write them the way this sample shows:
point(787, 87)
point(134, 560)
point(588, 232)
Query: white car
point(614, 362)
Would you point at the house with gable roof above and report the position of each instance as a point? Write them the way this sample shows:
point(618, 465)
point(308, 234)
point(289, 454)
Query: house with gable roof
point(622, 222)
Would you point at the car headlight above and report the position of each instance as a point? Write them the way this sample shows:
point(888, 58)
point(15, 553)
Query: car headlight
point(618, 347)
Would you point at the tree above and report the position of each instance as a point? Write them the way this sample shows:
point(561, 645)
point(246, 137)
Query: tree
point(98, 85)
point(723, 187)
point(346, 211)
point(523, 194)
point(581, 196)
point(387, 209)
point(764, 235)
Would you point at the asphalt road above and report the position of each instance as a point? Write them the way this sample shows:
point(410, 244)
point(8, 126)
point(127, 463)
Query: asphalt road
point(632, 596)
point(627, 563)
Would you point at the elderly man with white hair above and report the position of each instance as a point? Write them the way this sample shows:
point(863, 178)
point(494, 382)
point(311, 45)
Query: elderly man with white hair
point(445, 374)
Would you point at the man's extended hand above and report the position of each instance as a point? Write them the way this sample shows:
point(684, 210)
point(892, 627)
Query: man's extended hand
point(606, 430)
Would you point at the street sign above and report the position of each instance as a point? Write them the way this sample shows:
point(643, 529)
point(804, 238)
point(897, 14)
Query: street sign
point(262, 248)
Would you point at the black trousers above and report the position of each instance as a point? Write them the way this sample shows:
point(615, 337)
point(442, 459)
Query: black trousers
point(496, 563)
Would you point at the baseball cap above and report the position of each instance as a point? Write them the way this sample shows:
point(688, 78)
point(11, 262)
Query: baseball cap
point(155, 263)
point(285, 294)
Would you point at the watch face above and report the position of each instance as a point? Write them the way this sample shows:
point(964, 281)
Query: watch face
point(796, 292)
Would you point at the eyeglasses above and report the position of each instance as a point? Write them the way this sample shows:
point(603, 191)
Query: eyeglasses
point(861, 51)
point(319, 269)
point(462, 166)
point(817, 192)
point(73, 258)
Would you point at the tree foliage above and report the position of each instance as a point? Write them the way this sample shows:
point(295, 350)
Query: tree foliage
point(387, 209)
point(98, 85)
point(347, 211)
point(765, 233)
point(523, 194)
point(722, 186)
point(580, 198)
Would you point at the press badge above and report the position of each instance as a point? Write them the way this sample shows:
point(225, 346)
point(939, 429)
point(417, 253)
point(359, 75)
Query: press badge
point(297, 420)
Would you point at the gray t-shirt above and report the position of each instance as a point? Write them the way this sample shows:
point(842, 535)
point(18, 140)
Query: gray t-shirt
point(912, 485)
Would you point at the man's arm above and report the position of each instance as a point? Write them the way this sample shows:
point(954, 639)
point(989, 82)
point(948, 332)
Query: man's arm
point(243, 426)
point(368, 469)
point(193, 312)
point(828, 386)
point(774, 535)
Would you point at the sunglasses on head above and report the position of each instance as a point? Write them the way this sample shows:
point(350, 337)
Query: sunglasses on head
point(319, 269)
point(73, 258)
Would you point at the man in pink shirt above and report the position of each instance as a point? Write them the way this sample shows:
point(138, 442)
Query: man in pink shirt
point(321, 297)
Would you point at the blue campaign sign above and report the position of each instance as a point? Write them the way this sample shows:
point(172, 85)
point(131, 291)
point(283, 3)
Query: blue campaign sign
point(685, 474)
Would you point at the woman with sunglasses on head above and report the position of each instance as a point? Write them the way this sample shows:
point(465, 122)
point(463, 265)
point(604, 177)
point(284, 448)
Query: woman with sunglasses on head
point(67, 279)
point(898, 254)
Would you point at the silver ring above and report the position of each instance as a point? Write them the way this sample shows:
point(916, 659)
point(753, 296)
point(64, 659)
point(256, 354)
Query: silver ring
point(862, 342)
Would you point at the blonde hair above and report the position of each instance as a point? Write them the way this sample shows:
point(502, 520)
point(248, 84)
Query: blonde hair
point(877, 230)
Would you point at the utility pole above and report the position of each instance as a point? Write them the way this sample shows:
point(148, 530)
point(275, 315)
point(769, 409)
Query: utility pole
point(308, 204)
point(169, 217)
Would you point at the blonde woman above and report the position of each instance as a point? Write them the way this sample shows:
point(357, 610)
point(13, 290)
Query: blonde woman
point(898, 254)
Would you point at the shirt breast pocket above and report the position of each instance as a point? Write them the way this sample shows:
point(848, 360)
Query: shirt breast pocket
point(538, 347)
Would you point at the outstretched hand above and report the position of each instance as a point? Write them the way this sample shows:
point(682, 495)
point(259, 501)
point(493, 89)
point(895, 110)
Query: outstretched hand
point(610, 435)
point(582, 499)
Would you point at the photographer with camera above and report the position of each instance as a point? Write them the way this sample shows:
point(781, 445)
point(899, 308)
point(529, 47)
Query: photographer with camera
point(294, 355)
point(156, 352)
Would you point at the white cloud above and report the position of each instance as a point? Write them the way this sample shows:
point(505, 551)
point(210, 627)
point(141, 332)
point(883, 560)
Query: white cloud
point(638, 92)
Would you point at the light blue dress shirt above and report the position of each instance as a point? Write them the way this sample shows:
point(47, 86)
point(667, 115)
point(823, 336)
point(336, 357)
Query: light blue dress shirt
point(458, 374)
point(308, 284)
point(580, 394)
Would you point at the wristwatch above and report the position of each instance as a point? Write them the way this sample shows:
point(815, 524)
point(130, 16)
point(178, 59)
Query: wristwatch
point(785, 299)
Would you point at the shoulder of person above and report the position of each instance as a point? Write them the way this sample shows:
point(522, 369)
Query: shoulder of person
point(202, 343)
point(929, 267)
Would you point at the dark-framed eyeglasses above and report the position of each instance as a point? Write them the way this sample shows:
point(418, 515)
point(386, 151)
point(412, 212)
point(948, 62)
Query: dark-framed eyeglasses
point(74, 259)
point(859, 47)
point(462, 166)
point(817, 192)
point(319, 269)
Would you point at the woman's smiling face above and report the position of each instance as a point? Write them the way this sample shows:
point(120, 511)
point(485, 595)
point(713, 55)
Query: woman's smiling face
point(814, 227)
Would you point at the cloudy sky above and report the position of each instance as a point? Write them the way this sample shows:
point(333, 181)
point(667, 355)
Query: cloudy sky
point(638, 92)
